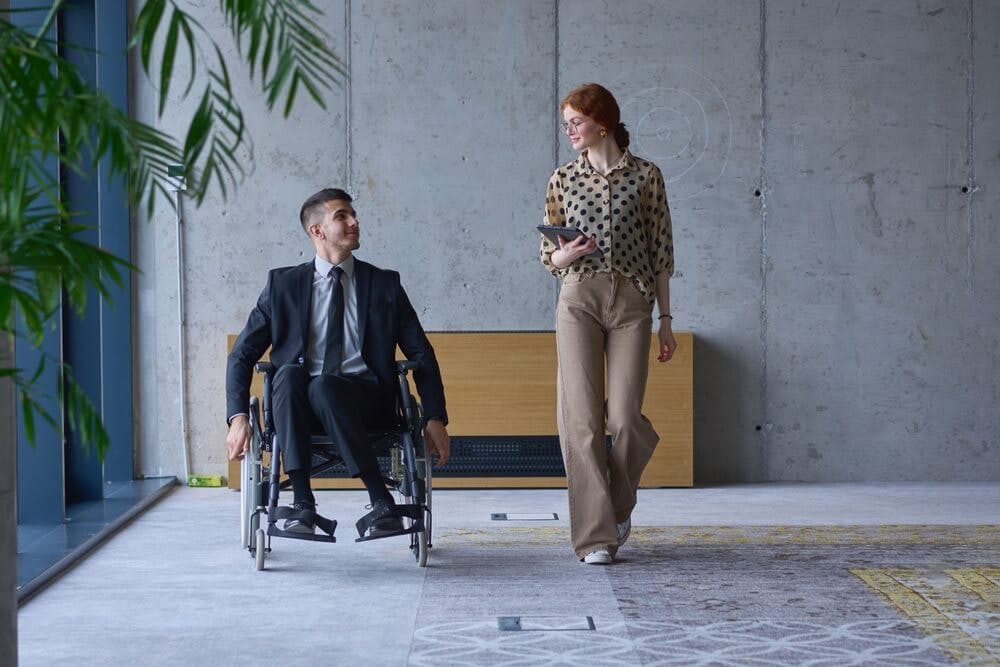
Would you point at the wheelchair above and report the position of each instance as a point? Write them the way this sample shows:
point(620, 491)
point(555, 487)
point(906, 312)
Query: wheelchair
point(402, 458)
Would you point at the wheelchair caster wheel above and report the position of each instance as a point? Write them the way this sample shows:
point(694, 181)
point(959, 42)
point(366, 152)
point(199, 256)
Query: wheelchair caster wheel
point(420, 548)
point(259, 553)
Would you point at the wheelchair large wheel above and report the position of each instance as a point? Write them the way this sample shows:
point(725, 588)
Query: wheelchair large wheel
point(250, 478)
point(419, 542)
point(426, 465)
point(245, 513)
point(249, 489)
point(425, 472)
point(249, 518)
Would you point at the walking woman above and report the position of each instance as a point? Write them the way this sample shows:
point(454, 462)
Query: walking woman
point(611, 276)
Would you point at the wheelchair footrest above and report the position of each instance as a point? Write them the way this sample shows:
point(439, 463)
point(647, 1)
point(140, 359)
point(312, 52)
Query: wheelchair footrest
point(415, 528)
point(415, 512)
point(327, 526)
point(274, 531)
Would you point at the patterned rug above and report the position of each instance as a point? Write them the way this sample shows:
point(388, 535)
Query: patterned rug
point(765, 595)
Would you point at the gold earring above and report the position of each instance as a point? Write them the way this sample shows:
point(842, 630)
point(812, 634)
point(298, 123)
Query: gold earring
point(604, 133)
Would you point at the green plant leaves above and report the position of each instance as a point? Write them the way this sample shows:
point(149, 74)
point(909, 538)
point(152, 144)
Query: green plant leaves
point(51, 119)
point(146, 25)
point(280, 40)
point(84, 419)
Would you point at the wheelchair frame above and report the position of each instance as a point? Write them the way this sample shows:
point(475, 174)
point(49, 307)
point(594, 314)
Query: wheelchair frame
point(409, 475)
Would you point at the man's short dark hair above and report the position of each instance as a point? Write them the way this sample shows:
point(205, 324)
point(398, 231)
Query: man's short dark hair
point(318, 199)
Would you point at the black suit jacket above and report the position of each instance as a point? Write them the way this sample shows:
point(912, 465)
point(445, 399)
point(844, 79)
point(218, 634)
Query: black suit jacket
point(385, 319)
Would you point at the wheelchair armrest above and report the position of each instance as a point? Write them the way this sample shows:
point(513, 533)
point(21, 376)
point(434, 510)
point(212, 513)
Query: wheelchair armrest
point(267, 369)
point(406, 366)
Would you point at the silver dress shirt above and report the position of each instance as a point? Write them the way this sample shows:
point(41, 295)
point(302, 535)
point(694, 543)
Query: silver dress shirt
point(321, 295)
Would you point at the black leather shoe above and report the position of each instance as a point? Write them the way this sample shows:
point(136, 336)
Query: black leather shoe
point(385, 520)
point(302, 525)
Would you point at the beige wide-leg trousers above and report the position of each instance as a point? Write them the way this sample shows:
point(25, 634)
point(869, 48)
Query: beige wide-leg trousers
point(602, 318)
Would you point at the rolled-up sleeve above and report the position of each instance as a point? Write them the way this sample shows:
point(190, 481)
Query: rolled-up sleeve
point(555, 214)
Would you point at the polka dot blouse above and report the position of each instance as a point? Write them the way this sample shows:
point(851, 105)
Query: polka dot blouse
point(626, 210)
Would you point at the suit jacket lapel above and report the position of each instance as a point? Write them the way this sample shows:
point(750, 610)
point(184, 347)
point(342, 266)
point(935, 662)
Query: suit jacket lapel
point(363, 278)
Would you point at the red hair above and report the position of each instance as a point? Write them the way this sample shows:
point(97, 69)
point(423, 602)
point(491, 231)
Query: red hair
point(597, 102)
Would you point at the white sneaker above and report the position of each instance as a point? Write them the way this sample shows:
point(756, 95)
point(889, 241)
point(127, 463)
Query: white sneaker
point(599, 557)
point(624, 530)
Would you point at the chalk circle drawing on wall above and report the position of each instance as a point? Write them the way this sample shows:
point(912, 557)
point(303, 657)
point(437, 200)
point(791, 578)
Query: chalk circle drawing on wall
point(685, 127)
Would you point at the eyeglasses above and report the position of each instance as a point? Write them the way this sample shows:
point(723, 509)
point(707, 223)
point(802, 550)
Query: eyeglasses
point(573, 126)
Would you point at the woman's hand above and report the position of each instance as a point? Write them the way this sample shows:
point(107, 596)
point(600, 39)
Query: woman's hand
point(667, 343)
point(570, 251)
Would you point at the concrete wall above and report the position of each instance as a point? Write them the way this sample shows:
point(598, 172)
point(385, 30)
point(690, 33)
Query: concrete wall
point(843, 288)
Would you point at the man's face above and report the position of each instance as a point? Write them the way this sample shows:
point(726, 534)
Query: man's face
point(336, 227)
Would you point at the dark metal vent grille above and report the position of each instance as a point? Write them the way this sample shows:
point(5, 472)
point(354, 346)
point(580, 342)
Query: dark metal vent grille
point(493, 456)
point(504, 456)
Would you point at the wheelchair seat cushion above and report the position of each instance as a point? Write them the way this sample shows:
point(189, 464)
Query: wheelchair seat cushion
point(379, 440)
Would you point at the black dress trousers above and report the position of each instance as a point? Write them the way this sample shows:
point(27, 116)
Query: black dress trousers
point(343, 406)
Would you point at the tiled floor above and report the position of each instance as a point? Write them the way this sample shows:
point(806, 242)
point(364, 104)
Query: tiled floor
point(41, 549)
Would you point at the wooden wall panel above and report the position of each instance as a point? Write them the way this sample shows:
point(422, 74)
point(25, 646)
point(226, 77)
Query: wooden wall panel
point(504, 384)
point(669, 405)
point(498, 383)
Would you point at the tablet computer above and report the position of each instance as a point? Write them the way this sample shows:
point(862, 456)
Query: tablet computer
point(553, 232)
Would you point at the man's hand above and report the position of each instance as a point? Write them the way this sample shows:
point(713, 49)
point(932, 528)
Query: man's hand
point(667, 342)
point(438, 441)
point(238, 439)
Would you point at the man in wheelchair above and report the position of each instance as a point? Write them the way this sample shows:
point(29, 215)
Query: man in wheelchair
point(333, 325)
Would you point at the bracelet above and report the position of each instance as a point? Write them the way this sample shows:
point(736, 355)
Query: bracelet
point(668, 316)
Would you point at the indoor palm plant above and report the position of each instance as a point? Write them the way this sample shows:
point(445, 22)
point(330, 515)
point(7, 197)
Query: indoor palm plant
point(51, 119)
